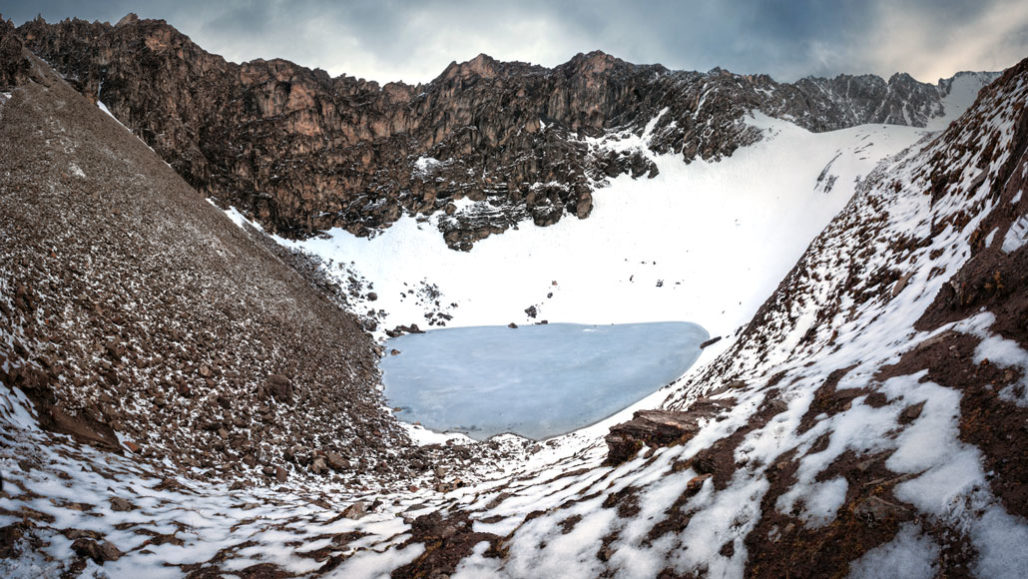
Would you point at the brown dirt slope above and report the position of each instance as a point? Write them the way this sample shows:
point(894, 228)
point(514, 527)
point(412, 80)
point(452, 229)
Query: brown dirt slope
point(130, 303)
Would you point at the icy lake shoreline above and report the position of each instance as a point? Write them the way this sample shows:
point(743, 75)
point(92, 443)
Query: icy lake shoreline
point(537, 381)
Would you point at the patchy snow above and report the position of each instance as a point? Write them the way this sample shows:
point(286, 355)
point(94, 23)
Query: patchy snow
point(104, 108)
point(15, 410)
point(422, 436)
point(377, 564)
point(910, 555)
point(991, 236)
point(186, 523)
point(238, 218)
point(1008, 354)
point(627, 141)
point(1001, 539)
point(425, 165)
point(1017, 235)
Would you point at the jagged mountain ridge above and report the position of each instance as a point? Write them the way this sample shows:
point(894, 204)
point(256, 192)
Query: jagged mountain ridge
point(304, 152)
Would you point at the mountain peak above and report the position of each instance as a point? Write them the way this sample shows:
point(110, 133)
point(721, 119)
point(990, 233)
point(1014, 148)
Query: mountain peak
point(483, 66)
point(594, 62)
point(481, 105)
point(130, 18)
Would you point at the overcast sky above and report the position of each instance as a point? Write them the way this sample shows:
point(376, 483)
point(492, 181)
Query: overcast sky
point(413, 41)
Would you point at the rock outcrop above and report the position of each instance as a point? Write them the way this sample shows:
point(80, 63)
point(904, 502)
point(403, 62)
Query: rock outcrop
point(656, 428)
point(14, 65)
point(485, 145)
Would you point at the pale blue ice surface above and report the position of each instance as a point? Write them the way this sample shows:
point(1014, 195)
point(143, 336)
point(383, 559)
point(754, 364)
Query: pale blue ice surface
point(536, 381)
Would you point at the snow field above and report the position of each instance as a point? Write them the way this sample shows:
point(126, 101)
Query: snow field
point(716, 237)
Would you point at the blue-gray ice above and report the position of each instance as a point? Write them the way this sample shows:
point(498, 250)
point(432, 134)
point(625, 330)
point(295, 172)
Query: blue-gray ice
point(536, 381)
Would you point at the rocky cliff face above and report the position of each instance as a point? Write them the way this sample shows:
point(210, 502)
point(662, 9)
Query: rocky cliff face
point(303, 152)
point(14, 67)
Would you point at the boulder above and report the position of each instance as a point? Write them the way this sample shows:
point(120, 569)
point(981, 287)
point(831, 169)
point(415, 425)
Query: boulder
point(336, 461)
point(280, 388)
point(658, 428)
point(120, 504)
point(710, 342)
point(356, 511)
point(98, 552)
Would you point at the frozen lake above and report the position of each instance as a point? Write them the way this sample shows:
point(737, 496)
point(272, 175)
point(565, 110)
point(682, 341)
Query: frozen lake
point(536, 381)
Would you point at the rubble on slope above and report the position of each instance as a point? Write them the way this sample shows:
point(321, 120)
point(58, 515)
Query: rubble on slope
point(134, 307)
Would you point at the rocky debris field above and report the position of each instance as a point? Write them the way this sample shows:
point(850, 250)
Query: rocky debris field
point(131, 305)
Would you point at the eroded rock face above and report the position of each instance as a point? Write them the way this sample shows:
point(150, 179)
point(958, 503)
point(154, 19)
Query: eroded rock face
point(658, 428)
point(303, 152)
point(13, 65)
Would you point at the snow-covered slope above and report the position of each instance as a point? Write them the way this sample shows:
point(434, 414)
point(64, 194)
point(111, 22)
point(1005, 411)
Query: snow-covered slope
point(704, 242)
point(960, 92)
point(876, 424)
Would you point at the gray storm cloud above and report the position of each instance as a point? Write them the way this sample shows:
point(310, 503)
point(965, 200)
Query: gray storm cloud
point(413, 41)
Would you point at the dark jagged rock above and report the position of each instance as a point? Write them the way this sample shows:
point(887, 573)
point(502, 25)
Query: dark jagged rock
point(448, 540)
point(658, 428)
point(14, 66)
point(301, 151)
point(710, 342)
